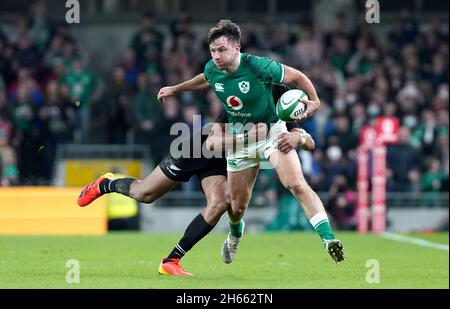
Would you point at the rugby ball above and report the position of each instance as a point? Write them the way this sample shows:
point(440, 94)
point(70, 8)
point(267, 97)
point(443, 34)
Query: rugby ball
point(289, 107)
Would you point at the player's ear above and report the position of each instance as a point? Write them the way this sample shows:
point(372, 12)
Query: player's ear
point(237, 46)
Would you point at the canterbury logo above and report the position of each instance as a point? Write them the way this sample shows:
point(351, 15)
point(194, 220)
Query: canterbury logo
point(219, 87)
point(232, 162)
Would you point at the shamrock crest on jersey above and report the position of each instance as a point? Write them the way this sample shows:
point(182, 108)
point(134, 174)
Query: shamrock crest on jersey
point(244, 86)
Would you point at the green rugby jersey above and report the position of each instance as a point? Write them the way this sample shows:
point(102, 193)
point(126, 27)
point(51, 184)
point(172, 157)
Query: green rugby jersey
point(247, 92)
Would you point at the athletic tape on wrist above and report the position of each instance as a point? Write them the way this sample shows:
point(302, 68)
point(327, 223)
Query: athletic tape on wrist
point(302, 138)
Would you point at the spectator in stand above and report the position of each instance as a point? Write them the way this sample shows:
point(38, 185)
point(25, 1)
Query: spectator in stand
point(403, 164)
point(118, 107)
point(148, 43)
point(41, 26)
point(149, 115)
point(341, 53)
point(8, 162)
point(434, 181)
point(81, 84)
point(342, 204)
point(335, 164)
point(129, 64)
point(27, 136)
point(58, 120)
point(424, 133)
point(308, 49)
point(171, 110)
point(434, 177)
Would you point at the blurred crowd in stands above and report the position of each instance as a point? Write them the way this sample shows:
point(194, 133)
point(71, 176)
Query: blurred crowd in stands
point(49, 96)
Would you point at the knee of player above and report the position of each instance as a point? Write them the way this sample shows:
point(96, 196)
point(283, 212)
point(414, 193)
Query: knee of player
point(216, 209)
point(298, 186)
point(218, 206)
point(238, 212)
point(240, 202)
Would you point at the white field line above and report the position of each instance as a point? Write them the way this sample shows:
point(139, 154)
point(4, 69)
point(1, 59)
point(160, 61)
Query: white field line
point(414, 241)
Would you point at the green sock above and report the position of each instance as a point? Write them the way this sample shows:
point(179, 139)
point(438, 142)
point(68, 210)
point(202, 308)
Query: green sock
point(322, 226)
point(325, 231)
point(237, 229)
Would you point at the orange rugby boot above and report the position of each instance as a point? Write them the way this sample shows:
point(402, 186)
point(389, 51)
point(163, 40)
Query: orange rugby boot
point(172, 267)
point(92, 190)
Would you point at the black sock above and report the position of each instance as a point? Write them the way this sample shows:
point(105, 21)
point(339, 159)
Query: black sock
point(195, 231)
point(121, 185)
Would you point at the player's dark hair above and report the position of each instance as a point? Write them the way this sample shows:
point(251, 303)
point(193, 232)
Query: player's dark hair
point(227, 28)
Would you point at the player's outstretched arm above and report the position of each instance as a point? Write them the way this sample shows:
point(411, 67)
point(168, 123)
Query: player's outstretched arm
point(197, 83)
point(301, 81)
point(296, 137)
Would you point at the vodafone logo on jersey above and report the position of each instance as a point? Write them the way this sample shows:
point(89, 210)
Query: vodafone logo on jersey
point(234, 102)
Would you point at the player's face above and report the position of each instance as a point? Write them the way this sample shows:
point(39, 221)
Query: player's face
point(224, 52)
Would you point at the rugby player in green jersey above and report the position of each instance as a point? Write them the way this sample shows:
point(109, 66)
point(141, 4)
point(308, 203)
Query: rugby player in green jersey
point(243, 83)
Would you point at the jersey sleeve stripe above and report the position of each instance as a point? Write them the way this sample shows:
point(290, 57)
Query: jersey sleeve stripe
point(282, 72)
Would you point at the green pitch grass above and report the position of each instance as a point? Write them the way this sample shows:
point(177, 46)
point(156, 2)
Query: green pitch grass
point(291, 261)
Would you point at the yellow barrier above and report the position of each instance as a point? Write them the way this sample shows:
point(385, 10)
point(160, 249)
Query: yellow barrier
point(77, 172)
point(49, 211)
